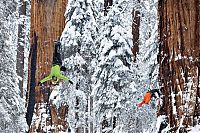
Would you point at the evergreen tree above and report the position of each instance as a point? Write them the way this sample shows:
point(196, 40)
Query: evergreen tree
point(113, 73)
point(79, 51)
point(11, 105)
point(146, 69)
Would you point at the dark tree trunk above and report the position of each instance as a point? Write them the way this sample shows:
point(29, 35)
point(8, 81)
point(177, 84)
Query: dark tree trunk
point(179, 54)
point(78, 130)
point(20, 46)
point(107, 4)
point(32, 84)
point(104, 125)
point(135, 32)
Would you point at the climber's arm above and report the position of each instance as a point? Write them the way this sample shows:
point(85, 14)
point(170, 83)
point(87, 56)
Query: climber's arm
point(63, 77)
point(46, 79)
point(141, 103)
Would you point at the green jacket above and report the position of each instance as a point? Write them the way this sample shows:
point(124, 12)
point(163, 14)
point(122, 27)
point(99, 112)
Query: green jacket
point(55, 71)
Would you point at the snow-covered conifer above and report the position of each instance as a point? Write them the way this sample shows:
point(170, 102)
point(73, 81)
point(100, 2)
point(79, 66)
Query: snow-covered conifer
point(113, 74)
point(12, 106)
point(146, 68)
point(79, 50)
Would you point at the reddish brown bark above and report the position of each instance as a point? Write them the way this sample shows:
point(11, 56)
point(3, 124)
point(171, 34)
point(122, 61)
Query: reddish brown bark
point(47, 21)
point(135, 32)
point(179, 54)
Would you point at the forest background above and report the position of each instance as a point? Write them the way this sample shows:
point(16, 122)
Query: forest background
point(114, 51)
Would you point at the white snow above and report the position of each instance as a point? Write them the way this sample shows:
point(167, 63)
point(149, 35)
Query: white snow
point(195, 129)
point(161, 119)
point(109, 39)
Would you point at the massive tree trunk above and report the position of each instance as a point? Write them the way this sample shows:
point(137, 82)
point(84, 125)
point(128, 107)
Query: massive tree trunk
point(179, 55)
point(20, 46)
point(47, 23)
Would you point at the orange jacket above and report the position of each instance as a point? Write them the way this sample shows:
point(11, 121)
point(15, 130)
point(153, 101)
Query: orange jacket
point(146, 100)
point(147, 97)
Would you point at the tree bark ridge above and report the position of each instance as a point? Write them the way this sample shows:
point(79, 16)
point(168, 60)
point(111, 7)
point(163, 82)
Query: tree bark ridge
point(179, 54)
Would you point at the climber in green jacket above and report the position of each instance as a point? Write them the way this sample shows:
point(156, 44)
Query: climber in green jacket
point(55, 75)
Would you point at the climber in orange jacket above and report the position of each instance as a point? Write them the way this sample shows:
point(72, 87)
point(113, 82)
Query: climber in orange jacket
point(149, 94)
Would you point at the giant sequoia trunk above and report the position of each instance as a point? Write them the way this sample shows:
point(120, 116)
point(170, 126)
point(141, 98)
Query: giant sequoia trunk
point(179, 55)
point(47, 23)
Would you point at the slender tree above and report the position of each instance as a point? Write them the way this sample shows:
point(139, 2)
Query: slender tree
point(113, 69)
point(21, 44)
point(135, 29)
point(12, 107)
point(107, 6)
point(145, 69)
point(179, 64)
point(79, 52)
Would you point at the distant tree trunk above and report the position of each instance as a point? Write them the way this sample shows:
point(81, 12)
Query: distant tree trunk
point(179, 54)
point(135, 32)
point(78, 130)
point(20, 46)
point(47, 22)
point(114, 122)
point(107, 4)
point(104, 125)
point(90, 109)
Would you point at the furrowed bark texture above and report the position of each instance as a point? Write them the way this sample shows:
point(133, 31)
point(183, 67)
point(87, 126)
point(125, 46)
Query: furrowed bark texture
point(179, 58)
point(47, 22)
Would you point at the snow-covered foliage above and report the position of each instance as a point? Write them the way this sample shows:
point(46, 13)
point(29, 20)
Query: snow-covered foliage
point(195, 129)
point(107, 84)
point(146, 66)
point(25, 20)
point(149, 40)
point(97, 52)
point(79, 50)
point(12, 106)
point(145, 71)
point(113, 72)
